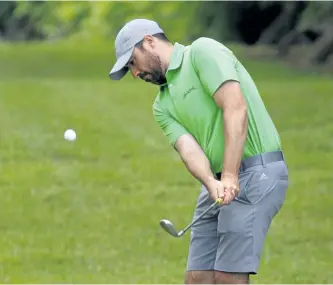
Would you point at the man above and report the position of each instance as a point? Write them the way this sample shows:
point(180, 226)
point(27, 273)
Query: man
point(212, 114)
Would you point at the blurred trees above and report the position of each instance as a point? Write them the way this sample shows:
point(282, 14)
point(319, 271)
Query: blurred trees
point(314, 28)
point(282, 25)
point(90, 19)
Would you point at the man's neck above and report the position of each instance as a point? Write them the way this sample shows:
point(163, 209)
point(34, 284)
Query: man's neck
point(166, 53)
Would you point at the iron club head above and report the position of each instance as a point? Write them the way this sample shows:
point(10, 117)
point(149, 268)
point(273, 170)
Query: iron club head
point(170, 229)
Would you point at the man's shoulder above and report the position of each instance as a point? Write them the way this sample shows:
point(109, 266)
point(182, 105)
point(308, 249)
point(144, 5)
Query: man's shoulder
point(203, 41)
point(206, 44)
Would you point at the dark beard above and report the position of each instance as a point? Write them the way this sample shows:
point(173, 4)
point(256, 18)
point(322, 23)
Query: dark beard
point(155, 77)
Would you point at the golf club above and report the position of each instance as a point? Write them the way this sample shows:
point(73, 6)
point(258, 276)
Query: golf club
point(170, 229)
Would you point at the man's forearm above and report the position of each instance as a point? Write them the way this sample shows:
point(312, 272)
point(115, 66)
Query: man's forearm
point(195, 159)
point(198, 165)
point(235, 123)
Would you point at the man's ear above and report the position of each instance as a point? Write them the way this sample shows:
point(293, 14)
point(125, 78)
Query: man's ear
point(149, 40)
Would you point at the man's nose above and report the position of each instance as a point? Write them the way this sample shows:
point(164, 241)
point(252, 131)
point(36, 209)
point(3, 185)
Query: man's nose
point(135, 72)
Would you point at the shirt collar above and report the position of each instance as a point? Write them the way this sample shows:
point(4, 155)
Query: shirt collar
point(176, 56)
point(175, 60)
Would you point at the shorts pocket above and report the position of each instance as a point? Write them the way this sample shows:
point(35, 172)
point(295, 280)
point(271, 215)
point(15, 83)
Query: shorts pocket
point(255, 185)
point(282, 186)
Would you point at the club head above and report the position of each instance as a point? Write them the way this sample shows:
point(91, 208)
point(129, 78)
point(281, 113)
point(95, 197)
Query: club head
point(169, 228)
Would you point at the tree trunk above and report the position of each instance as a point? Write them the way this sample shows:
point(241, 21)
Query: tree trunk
point(323, 47)
point(283, 23)
point(286, 41)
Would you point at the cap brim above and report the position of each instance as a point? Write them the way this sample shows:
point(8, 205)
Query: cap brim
point(120, 69)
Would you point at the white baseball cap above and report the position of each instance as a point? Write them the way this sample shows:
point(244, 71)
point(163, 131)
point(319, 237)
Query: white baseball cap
point(131, 33)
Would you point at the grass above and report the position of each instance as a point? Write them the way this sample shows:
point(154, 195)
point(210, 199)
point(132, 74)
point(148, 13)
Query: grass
point(88, 211)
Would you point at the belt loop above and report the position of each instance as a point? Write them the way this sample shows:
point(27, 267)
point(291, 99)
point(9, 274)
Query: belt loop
point(263, 160)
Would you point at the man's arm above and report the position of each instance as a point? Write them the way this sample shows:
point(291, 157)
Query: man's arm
point(235, 122)
point(194, 159)
point(216, 68)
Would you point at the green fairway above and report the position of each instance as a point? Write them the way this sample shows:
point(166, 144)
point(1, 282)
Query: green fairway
point(88, 211)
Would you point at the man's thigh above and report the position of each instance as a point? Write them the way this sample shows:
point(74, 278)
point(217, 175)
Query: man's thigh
point(244, 223)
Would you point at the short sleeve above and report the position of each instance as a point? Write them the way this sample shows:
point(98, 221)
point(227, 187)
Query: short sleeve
point(170, 127)
point(214, 63)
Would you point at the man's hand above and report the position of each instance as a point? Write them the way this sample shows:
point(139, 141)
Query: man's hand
point(227, 188)
point(231, 187)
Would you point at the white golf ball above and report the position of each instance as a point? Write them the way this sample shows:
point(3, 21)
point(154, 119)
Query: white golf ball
point(70, 135)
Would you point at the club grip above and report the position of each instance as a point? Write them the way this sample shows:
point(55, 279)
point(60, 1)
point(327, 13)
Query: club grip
point(219, 200)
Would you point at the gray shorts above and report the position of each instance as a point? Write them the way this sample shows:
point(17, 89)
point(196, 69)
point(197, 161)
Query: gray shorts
point(230, 238)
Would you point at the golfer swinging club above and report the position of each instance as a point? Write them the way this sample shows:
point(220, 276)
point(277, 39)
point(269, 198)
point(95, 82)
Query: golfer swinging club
point(212, 114)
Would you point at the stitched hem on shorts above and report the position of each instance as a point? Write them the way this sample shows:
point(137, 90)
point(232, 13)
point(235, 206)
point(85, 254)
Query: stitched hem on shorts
point(199, 269)
point(245, 268)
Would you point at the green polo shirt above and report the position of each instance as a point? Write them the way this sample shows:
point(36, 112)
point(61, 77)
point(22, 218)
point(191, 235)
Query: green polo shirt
point(186, 105)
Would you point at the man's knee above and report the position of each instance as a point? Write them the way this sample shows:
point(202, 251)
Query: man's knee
point(199, 277)
point(231, 278)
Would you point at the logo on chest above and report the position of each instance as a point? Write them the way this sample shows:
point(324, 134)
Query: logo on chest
point(188, 91)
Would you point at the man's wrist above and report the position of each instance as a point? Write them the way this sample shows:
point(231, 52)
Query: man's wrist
point(208, 180)
point(229, 174)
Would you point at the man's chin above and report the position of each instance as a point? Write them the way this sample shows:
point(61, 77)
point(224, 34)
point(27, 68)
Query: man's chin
point(156, 82)
point(161, 82)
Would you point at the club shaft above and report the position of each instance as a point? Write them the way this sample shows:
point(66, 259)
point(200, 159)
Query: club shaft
point(199, 217)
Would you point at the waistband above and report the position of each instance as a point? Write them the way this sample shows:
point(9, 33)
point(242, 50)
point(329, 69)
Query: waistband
point(259, 159)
